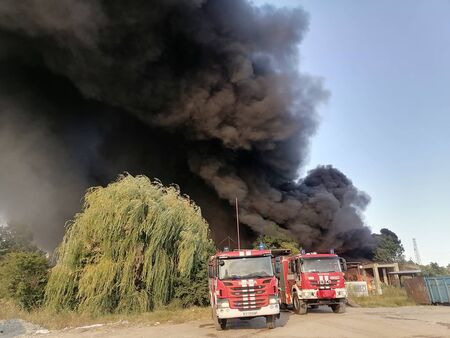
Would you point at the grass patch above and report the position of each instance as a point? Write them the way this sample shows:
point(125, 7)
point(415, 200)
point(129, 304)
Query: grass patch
point(391, 297)
point(50, 320)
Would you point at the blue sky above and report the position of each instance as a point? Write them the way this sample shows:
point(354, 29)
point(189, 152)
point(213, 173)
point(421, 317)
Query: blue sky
point(387, 123)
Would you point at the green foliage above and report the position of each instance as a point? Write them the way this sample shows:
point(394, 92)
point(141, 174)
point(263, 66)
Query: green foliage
point(388, 248)
point(193, 290)
point(15, 237)
point(128, 248)
point(23, 276)
point(434, 269)
point(277, 242)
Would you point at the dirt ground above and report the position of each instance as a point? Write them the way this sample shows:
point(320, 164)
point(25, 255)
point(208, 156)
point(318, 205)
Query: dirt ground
point(416, 321)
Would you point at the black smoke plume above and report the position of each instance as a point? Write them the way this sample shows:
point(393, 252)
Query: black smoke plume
point(204, 93)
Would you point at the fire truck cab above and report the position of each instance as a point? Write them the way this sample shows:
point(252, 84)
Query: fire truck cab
point(242, 284)
point(308, 280)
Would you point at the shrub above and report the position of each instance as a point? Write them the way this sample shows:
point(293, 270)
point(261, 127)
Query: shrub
point(193, 290)
point(23, 276)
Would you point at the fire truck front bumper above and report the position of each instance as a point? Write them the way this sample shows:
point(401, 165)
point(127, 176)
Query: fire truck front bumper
point(226, 313)
point(318, 294)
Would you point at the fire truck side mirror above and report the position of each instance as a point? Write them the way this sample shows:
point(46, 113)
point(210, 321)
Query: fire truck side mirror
point(343, 264)
point(277, 265)
point(211, 272)
point(292, 266)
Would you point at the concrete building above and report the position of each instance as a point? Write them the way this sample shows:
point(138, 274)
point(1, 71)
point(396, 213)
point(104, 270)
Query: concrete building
point(376, 274)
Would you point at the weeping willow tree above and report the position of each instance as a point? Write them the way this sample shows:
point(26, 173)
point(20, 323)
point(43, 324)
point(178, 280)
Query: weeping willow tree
point(127, 248)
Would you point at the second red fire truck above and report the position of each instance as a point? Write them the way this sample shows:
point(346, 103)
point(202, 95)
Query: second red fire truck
point(308, 280)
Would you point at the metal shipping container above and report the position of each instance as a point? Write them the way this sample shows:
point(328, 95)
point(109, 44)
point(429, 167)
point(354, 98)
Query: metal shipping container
point(438, 289)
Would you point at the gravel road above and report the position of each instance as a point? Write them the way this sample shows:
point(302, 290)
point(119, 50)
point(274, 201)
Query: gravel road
point(416, 321)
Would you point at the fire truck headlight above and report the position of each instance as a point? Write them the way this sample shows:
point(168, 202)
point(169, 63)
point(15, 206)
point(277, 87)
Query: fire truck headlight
point(273, 300)
point(223, 303)
point(309, 294)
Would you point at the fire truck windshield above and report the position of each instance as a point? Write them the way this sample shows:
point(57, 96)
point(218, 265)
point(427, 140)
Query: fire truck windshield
point(321, 265)
point(248, 267)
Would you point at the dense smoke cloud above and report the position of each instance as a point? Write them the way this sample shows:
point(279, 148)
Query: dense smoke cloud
point(39, 182)
point(204, 93)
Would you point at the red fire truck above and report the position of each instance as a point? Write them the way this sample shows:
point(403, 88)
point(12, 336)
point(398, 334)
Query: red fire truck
point(308, 280)
point(242, 285)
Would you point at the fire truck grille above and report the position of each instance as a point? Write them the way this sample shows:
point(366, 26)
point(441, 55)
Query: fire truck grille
point(326, 284)
point(248, 298)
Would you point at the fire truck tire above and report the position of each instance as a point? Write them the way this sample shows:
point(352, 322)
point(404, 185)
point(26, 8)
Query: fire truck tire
point(299, 305)
point(219, 324)
point(270, 322)
point(338, 308)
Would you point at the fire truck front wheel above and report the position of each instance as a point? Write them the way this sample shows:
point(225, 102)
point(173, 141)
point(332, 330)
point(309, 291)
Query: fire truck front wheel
point(338, 308)
point(219, 324)
point(223, 324)
point(299, 305)
point(270, 322)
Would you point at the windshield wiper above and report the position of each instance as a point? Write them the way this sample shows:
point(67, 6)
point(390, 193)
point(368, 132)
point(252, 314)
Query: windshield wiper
point(234, 277)
point(258, 275)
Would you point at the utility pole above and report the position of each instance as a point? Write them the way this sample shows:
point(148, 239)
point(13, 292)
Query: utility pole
point(416, 252)
point(237, 225)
